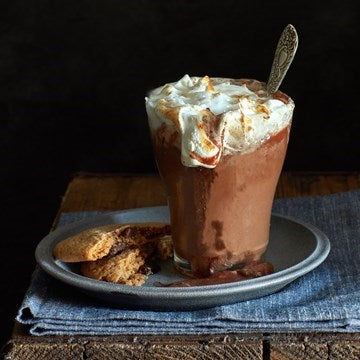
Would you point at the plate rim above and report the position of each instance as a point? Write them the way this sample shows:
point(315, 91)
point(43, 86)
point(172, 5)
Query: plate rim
point(283, 277)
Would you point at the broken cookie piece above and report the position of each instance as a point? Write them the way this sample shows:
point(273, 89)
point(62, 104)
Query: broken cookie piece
point(98, 242)
point(123, 254)
point(89, 245)
point(118, 268)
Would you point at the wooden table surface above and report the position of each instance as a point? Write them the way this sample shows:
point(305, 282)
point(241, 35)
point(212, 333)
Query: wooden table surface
point(115, 192)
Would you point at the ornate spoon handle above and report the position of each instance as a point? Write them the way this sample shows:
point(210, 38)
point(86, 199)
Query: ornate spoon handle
point(284, 55)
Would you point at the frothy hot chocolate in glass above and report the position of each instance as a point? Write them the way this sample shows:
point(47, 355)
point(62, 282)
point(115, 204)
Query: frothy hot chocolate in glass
point(219, 145)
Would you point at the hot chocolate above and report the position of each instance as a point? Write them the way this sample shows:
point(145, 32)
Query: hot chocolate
point(219, 146)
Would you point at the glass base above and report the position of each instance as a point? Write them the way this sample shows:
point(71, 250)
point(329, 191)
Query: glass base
point(186, 268)
point(182, 265)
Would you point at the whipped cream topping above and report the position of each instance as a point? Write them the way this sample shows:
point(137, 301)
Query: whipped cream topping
point(217, 116)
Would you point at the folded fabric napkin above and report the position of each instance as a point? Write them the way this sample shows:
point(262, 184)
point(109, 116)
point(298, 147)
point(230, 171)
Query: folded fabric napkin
point(326, 299)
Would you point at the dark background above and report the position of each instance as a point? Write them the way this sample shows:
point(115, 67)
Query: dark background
point(73, 76)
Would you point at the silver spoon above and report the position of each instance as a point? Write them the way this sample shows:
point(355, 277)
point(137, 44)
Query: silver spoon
point(284, 55)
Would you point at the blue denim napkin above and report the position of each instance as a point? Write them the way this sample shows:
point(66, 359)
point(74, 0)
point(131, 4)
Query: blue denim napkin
point(326, 299)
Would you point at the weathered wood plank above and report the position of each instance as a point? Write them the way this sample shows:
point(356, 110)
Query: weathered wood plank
point(303, 184)
point(298, 350)
point(315, 346)
point(111, 192)
point(200, 348)
point(228, 347)
point(91, 192)
point(43, 350)
point(344, 350)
